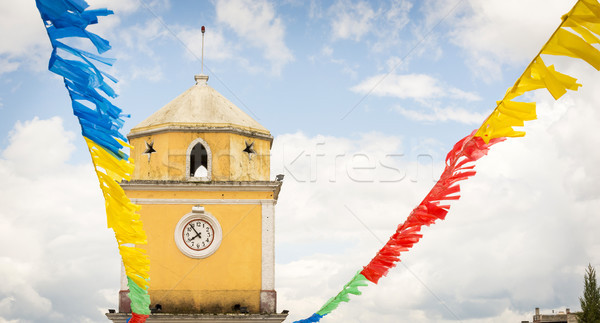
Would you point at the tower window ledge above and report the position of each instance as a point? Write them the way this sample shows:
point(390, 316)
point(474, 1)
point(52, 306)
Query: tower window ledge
point(199, 179)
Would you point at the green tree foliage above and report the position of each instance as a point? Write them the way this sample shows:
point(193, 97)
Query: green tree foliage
point(590, 302)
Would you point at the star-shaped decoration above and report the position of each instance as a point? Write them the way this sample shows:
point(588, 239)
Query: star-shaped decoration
point(249, 149)
point(149, 149)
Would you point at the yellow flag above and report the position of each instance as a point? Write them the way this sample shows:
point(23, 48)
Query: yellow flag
point(565, 43)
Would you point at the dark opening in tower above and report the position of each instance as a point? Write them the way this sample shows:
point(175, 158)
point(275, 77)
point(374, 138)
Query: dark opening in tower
point(198, 161)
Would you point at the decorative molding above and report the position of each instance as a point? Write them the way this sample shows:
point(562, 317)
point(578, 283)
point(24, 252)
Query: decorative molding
point(208, 164)
point(201, 318)
point(196, 129)
point(156, 185)
point(203, 201)
point(268, 246)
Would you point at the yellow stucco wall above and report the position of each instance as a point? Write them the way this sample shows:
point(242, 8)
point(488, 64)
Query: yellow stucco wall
point(232, 275)
point(229, 161)
point(172, 194)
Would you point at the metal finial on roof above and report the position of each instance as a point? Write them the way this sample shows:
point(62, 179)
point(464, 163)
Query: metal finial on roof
point(202, 68)
point(202, 79)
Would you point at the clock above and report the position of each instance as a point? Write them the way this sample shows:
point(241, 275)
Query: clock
point(198, 234)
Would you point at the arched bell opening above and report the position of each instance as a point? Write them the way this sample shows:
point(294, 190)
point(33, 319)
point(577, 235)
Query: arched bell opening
point(199, 161)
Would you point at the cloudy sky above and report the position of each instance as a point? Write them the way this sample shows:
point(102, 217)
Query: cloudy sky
point(364, 99)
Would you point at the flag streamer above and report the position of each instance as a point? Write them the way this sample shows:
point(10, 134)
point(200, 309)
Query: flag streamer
point(580, 28)
point(101, 122)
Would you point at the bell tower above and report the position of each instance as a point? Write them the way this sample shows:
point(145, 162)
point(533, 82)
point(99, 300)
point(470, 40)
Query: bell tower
point(202, 178)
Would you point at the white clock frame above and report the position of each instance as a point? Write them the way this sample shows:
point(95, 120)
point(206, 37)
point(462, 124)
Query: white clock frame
point(198, 214)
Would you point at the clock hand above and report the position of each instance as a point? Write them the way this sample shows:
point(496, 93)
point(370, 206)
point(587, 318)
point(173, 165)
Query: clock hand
point(192, 226)
point(197, 234)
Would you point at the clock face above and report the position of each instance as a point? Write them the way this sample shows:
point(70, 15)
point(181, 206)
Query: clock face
point(198, 234)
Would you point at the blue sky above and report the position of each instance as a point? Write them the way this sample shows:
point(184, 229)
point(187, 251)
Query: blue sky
point(298, 67)
point(364, 99)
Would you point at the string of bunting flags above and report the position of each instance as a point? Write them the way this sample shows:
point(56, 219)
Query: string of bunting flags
point(580, 28)
point(100, 122)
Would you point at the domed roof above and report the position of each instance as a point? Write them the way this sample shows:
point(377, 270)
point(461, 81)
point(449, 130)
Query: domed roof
point(199, 108)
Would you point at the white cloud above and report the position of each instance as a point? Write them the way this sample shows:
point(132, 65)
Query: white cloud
point(462, 95)
point(351, 20)
point(460, 115)
point(125, 7)
point(397, 15)
point(498, 32)
point(391, 25)
point(61, 253)
point(427, 91)
point(256, 23)
point(53, 148)
point(7, 66)
point(22, 295)
point(395, 63)
point(137, 36)
point(533, 202)
point(27, 43)
point(325, 174)
point(419, 87)
point(575, 142)
point(355, 20)
point(327, 51)
point(315, 10)
point(27, 39)
point(30, 32)
point(346, 66)
point(152, 73)
point(122, 7)
point(519, 238)
point(141, 37)
point(136, 54)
